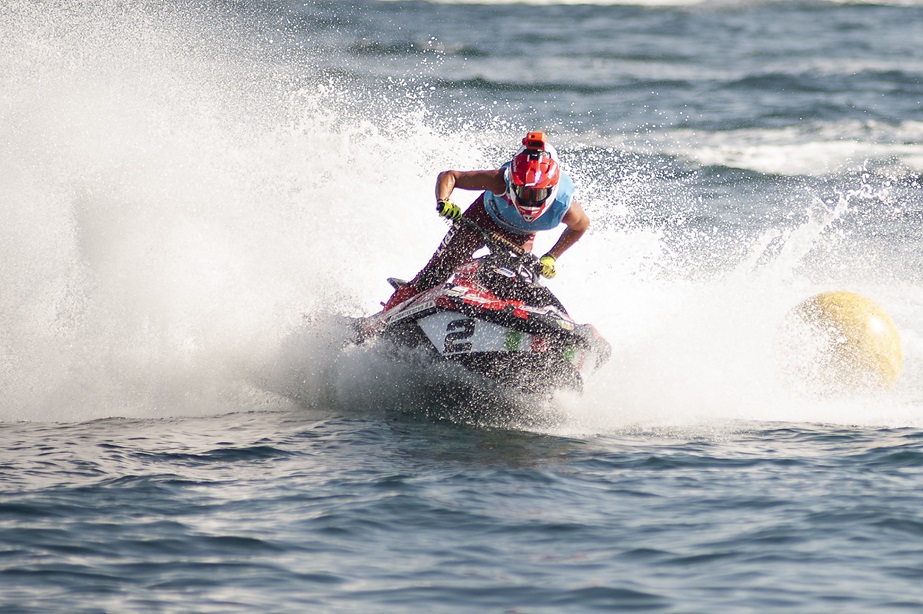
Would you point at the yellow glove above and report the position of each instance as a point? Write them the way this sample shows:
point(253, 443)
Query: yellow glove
point(547, 263)
point(449, 210)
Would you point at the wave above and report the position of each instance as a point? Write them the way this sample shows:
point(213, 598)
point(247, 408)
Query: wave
point(163, 222)
point(374, 48)
point(491, 85)
point(179, 194)
point(808, 149)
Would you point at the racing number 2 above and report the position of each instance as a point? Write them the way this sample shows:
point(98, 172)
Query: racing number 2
point(456, 334)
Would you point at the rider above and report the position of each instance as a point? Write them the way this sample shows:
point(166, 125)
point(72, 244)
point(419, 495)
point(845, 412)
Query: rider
point(527, 194)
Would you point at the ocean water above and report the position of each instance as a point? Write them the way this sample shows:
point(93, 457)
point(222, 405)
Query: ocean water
point(192, 194)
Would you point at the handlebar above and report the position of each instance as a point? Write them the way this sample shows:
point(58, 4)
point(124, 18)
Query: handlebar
point(520, 260)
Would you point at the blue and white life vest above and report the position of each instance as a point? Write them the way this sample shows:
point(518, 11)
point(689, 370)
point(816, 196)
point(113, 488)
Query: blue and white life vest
point(505, 215)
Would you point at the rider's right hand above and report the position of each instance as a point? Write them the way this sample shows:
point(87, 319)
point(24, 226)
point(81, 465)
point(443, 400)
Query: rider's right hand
point(547, 266)
point(449, 210)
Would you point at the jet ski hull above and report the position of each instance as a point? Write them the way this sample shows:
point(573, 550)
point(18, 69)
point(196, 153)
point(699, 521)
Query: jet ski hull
point(533, 348)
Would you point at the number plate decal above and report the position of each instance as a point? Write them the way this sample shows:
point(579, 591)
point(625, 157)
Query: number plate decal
point(457, 335)
point(452, 334)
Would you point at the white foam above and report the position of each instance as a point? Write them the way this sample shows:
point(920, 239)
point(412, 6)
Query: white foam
point(172, 209)
point(809, 149)
point(700, 354)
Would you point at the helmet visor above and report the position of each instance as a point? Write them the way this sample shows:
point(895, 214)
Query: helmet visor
point(531, 197)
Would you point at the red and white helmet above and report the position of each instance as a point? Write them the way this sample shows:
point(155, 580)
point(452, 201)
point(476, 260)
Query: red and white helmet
point(533, 177)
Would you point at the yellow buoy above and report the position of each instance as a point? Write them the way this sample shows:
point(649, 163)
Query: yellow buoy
point(856, 343)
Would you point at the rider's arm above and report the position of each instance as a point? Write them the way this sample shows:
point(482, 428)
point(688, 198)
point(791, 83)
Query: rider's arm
point(469, 180)
point(577, 224)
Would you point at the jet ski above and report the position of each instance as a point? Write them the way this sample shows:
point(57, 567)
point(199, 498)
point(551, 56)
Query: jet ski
point(493, 317)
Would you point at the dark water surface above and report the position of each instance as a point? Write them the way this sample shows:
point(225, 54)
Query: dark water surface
point(282, 512)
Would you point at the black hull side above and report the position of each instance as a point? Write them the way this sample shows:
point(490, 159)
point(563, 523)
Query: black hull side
point(531, 372)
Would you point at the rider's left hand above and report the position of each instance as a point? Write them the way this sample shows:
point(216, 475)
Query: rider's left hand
point(547, 263)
